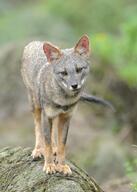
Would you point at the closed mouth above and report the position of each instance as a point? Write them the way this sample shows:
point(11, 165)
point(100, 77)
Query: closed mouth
point(76, 90)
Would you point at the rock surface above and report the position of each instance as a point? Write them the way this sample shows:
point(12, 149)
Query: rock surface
point(19, 173)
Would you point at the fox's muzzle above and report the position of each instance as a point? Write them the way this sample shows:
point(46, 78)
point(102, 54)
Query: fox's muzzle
point(75, 87)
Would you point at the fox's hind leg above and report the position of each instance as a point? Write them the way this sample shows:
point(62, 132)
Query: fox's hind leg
point(39, 142)
point(53, 137)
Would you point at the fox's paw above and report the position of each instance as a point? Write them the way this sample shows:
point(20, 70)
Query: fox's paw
point(37, 153)
point(65, 169)
point(49, 168)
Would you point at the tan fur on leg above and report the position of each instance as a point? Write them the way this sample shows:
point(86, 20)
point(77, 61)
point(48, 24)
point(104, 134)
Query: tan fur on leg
point(53, 136)
point(49, 165)
point(63, 124)
point(39, 145)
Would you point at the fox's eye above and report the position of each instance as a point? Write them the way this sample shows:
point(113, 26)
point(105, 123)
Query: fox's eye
point(78, 70)
point(63, 73)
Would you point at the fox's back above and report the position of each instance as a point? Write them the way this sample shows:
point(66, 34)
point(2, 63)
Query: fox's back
point(33, 61)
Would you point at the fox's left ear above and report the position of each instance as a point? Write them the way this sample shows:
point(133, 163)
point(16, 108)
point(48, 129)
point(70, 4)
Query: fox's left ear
point(82, 47)
point(52, 52)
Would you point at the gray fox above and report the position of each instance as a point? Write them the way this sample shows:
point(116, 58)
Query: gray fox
point(55, 79)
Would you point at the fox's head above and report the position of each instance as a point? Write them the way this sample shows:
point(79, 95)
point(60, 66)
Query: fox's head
point(70, 66)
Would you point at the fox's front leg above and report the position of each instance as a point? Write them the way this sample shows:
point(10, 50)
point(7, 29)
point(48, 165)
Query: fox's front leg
point(49, 165)
point(63, 126)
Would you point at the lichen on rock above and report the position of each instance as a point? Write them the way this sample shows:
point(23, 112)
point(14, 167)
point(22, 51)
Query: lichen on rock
point(20, 173)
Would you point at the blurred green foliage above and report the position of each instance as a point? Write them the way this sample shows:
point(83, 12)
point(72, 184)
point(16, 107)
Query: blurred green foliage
point(112, 26)
point(131, 168)
point(119, 51)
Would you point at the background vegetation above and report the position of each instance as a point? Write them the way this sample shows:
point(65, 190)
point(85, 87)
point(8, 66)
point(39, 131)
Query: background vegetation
point(108, 150)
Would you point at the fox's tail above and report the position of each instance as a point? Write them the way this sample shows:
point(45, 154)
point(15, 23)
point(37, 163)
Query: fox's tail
point(94, 99)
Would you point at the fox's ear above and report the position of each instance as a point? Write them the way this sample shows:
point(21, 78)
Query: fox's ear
point(82, 47)
point(52, 52)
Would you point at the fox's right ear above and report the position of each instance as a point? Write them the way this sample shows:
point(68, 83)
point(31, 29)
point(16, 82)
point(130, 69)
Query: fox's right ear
point(52, 52)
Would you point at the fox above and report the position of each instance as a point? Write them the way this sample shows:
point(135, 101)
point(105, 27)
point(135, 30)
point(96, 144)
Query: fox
point(55, 80)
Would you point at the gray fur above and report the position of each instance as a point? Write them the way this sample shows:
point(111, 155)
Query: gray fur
point(46, 126)
point(65, 131)
point(54, 79)
point(45, 82)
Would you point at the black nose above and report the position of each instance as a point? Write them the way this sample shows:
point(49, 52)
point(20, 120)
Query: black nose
point(75, 86)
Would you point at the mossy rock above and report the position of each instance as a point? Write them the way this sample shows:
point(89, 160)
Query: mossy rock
point(19, 173)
